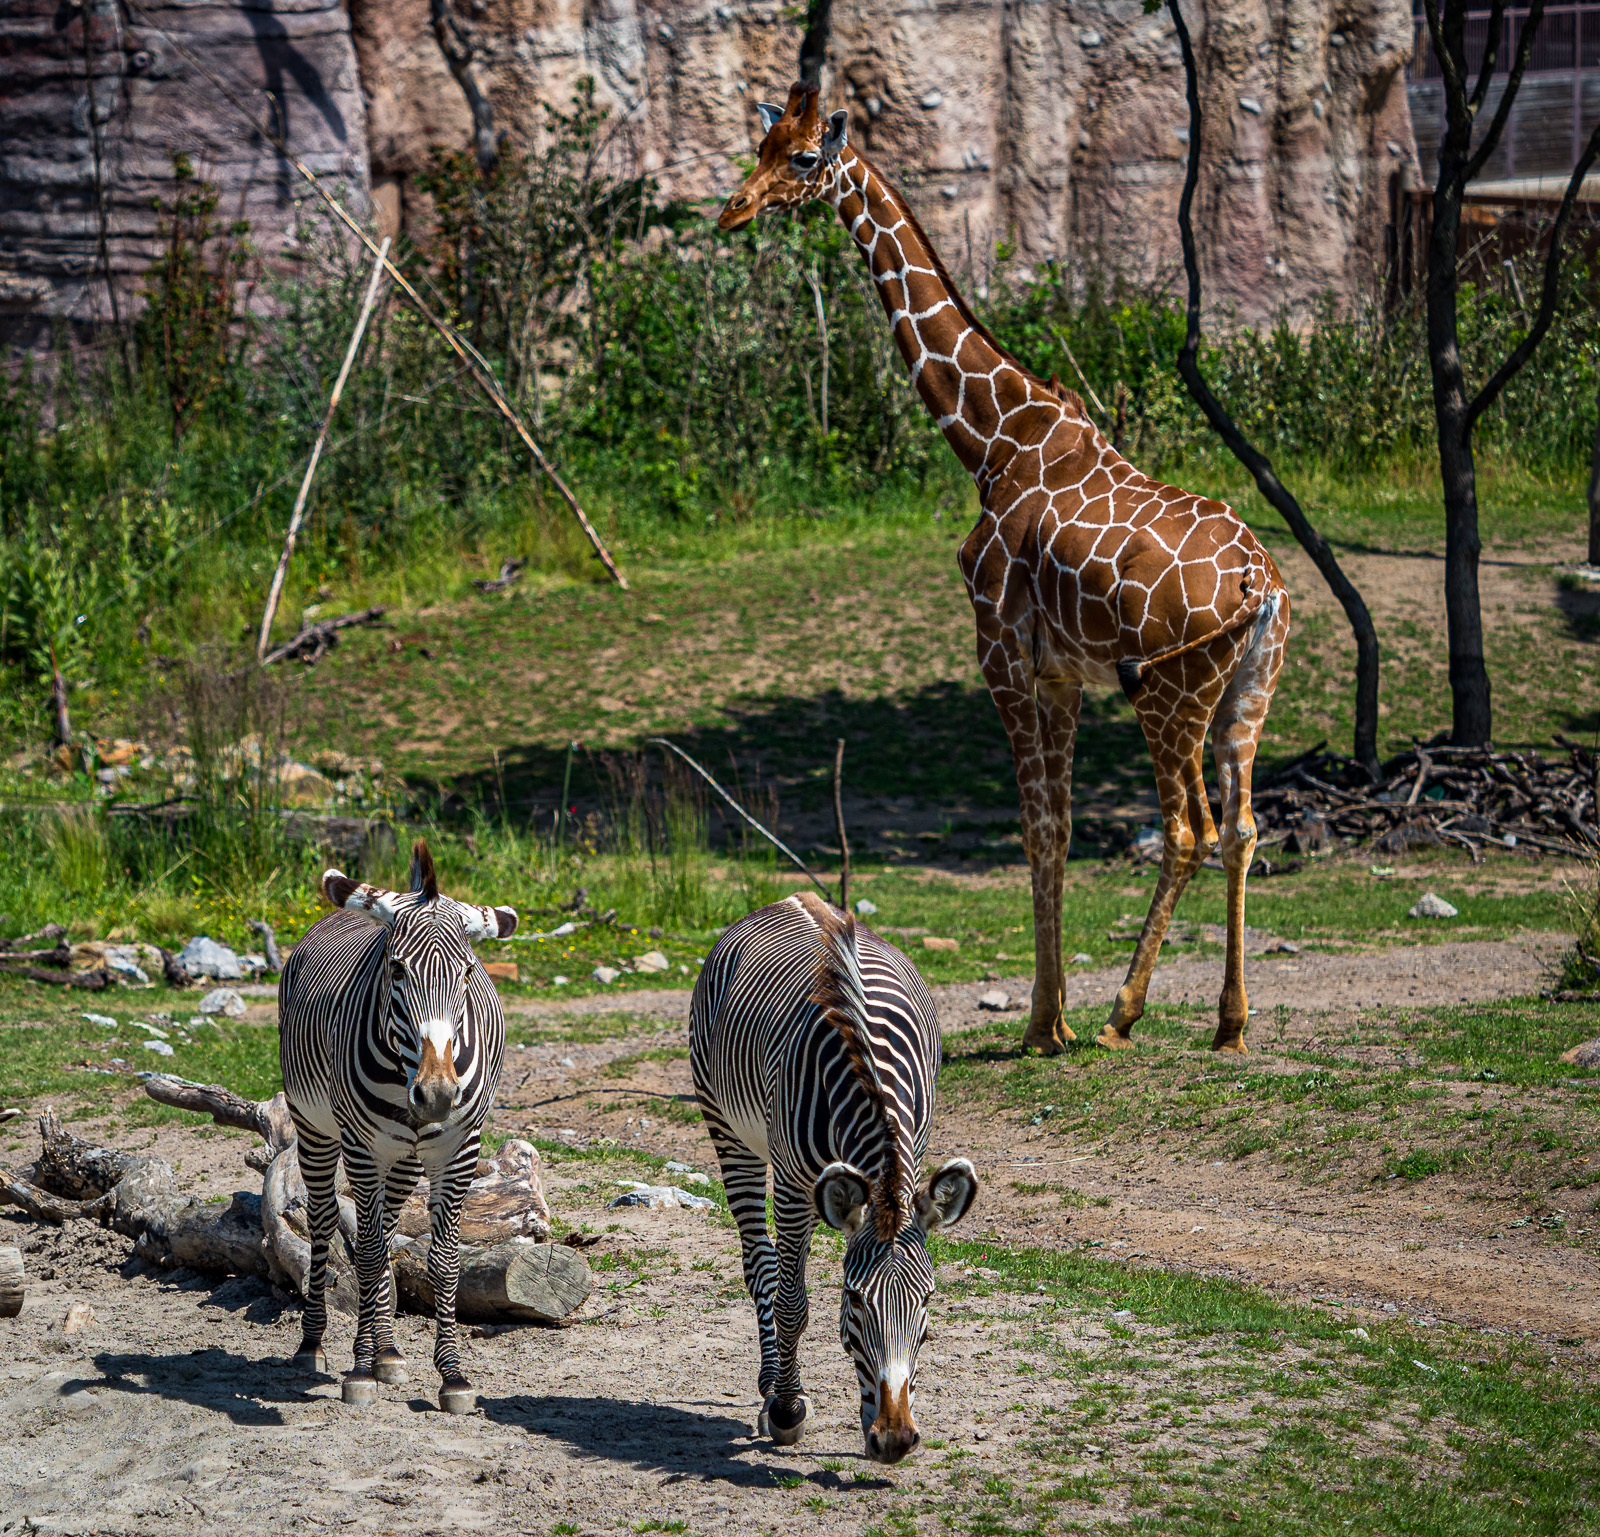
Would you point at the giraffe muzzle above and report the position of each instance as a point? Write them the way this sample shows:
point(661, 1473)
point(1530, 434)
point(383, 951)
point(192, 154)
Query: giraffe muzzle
point(739, 210)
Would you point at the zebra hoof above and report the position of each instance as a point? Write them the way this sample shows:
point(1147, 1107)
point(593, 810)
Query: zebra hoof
point(314, 1359)
point(390, 1367)
point(458, 1397)
point(360, 1390)
point(786, 1419)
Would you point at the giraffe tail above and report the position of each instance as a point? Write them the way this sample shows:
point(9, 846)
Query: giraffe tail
point(1132, 671)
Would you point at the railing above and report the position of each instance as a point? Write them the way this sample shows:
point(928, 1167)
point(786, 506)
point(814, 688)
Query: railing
point(1568, 39)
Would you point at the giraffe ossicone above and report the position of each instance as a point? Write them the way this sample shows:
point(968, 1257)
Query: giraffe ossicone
point(1081, 570)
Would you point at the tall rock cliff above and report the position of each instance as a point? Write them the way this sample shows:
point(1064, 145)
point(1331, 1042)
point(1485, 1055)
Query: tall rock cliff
point(1056, 125)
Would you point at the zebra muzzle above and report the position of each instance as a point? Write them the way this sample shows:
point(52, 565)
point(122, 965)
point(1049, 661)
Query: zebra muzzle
point(894, 1434)
point(435, 1091)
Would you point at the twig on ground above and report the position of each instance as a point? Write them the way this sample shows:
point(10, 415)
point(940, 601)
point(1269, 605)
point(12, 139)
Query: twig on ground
point(314, 640)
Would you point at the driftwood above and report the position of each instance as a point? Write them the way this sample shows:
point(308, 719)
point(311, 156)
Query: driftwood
point(1436, 794)
point(517, 1282)
point(510, 570)
point(509, 1274)
point(13, 1286)
point(314, 640)
point(93, 981)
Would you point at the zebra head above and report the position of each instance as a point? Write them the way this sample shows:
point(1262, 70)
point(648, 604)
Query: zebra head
point(888, 1279)
point(427, 960)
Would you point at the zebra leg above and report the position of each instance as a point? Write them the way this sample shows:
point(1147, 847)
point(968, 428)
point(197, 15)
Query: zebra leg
point(744, 1177)
point(788, 1406)
point(319, 1161)
point(372, 1272)
point(447, 1193)
point(388, 1363)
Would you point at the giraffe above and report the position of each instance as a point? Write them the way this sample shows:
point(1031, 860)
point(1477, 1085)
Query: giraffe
point(1081, 570)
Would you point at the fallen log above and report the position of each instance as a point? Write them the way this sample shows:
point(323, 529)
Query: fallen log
point(92, 981)
point(12, 1282)
point(516, 1282)
point(313, 641)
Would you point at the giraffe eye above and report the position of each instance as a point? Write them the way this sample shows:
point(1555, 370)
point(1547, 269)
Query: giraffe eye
point(806, 160)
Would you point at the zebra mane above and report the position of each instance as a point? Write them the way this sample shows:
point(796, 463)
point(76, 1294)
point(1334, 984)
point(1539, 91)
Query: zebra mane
point(423, 877)
point(839, 992)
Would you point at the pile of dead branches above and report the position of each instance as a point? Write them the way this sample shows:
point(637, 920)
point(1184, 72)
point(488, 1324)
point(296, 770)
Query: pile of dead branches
point(45, 956)
point(1466, 797)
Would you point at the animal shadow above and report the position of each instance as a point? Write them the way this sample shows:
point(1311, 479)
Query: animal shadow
point(682, 1441)
point(246, 1391)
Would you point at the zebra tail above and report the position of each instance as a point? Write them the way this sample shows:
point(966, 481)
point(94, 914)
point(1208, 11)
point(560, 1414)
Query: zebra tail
point(839, 991)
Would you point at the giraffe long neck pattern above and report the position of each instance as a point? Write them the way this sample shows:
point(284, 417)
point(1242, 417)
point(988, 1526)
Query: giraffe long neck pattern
point(987, 405)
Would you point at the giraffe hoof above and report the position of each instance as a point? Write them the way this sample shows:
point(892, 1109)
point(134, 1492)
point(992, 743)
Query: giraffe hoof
point(360, 1390)
point(1113, 1040)
point(311, 1359)
point(1233, 1043)
point(1049, 1039)
point(458, 1397)
point(390, 1368)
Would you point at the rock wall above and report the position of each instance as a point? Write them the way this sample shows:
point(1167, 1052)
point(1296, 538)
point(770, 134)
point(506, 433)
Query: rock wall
point(1059, 125)
point(150, 101)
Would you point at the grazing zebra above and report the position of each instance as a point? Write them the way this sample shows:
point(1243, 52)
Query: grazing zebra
point(391, 1040)
point(814, 1048)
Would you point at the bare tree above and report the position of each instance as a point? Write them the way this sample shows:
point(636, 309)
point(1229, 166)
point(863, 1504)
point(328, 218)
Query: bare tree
point(455, 43)
point(1365, 747)
point(1455, 412)
point(814, 45)
point(1594, 490)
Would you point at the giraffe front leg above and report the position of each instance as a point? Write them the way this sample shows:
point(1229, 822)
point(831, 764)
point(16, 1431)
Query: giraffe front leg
point(788, 1407)
point(446, 1195)
point(1041, 723)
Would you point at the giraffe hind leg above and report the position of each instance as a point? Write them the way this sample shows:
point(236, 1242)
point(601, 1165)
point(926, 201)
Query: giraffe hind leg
point(1174, 718)
point(1235, 737)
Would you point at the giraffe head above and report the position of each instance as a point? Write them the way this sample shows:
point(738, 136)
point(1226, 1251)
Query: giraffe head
point(795, 160)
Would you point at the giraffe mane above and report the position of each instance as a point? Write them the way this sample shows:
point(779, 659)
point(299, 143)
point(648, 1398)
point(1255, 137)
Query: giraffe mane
point(836, 990)
point(1069, 398)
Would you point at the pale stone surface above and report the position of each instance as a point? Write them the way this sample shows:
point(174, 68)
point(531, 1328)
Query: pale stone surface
point(1061, 127)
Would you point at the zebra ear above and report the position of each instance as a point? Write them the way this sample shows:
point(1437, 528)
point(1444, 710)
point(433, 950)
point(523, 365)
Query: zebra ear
point(344, 891)
point(488, 922)
point(841, 1196)
point(949, 1194)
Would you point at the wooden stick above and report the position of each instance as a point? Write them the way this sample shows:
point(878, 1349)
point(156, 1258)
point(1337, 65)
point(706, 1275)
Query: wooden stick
point(269, 1119)
point(276, 590)
point(1083, 378)
point(771, 837)
point(838, 818)
point(458, 344)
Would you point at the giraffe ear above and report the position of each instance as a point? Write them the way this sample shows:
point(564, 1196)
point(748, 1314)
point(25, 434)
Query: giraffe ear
point(769, 115)
point(836, 135)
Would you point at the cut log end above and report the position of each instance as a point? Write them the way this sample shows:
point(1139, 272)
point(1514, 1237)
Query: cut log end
point(13, 1285)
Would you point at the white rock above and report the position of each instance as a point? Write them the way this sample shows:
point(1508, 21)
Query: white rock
point(866, 908)
point(124, 961)
point(994, 999)
point(1250, 105)
point(652, 960)
point(673, 1167)
point(931, 99)
point(607, 974)
point(160, 1048)
point(105, 1021)
point(222, 1000)
point(1431, 906)
point(697, 1178)
point(1089, 39)
point(658, 1196)
point(559, 981)
point(1082, 958)
point(204, 957)
point(254, 965)
point(155, 1030)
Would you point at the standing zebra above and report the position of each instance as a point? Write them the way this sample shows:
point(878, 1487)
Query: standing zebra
point(814, 1048)
point(391, 1040)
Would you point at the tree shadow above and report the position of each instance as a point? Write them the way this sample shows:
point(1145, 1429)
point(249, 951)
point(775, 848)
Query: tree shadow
point(680, 1440)
point(213, 1378)
point(1580, 607)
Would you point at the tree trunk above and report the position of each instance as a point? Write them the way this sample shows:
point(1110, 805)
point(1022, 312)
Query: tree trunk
point(12, 1284)
point(512, 1282)
point(1470, 714)
point(1594, 497)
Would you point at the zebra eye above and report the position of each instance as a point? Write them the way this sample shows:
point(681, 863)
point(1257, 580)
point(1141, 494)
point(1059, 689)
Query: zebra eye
point(397, 972)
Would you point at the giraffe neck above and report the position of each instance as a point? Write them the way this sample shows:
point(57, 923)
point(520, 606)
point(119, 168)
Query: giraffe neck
point(970, 385)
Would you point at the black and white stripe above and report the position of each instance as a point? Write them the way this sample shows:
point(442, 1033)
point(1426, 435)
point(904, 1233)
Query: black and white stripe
point(391, 1041)
point(814, 1046)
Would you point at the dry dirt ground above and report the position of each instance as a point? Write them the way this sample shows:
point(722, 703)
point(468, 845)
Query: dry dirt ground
point(174, 1408)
